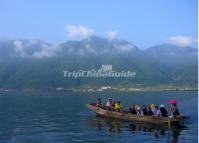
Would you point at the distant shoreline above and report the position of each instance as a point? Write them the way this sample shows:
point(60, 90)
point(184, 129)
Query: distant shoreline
point(99, 90)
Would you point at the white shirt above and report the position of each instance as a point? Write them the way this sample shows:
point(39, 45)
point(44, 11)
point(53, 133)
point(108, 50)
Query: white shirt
point(108, 104)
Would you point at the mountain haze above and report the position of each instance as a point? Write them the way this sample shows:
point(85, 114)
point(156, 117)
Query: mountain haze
point(38, 64)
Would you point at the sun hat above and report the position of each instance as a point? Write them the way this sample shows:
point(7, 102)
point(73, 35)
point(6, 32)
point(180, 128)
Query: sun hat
point(173, 102)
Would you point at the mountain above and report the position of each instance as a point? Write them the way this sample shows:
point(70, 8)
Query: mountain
point(178, 63)
point(168, 53)
point(38, 64)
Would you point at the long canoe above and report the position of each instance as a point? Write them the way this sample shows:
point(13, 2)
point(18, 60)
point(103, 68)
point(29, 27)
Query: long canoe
point(136, 118)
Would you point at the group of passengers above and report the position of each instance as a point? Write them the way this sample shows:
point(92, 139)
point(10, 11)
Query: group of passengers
point(110, 105)
point(151, 110)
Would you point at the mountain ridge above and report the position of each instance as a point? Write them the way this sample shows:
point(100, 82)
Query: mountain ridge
point(38, 64)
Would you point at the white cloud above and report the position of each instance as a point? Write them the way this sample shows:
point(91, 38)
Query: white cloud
point(182, 41)
point(125, 48)
point(90, 49)
point(112, 35)
point(47, 51)
point(78, 32)
point(19, 47)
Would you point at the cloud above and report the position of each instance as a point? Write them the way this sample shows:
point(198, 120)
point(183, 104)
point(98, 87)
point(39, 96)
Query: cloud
point(112, 35)
point(78, 32)
point(125, 48)
point(47, 51)
point(19, 47)
point(90, 49)
point(182, 41)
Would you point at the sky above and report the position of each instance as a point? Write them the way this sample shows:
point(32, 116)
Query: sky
point(142, 22)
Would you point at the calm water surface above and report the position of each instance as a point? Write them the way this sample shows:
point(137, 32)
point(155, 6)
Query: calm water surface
point(62, 117)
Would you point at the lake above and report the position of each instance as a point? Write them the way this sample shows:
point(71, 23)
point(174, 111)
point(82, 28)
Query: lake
point(62, 117)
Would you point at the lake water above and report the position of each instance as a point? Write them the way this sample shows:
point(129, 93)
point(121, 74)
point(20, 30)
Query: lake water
point(62, 117)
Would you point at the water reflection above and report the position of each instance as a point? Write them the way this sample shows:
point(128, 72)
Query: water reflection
point(117, 126)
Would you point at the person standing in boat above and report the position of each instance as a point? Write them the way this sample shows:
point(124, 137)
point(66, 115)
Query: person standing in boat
point(118, 106)
point(174, 109)
point(109, 104)
point(99, 102)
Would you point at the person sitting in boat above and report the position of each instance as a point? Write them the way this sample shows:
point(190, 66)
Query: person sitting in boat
point(109, 104)
point(118, 106)
point(163, 111)
point(132, 110)
point(99, 102)
point(153, 109)
point(174, 109)
point(144, 110)
point(150, 113)
point(138, 110)
point(158, 112)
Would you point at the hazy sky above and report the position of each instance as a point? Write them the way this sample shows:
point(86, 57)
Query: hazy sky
point(142, 22)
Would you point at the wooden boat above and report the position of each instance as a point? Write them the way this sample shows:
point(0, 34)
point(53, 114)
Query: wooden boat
point(136, 118)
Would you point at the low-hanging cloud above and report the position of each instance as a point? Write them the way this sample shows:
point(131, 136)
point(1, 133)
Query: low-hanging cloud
point(47, 51)
point(19, 47)
point(125, 48)
point(111, 35)
point(182, 41)
point(78, 32)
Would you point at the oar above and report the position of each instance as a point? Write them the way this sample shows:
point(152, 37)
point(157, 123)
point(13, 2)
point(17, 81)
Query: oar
point(169, 109)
